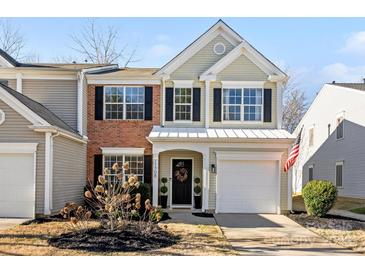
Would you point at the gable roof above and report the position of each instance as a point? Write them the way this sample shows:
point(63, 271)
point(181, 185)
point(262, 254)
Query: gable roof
point(232, 36)
point(358, 86)
point(38, 109)
point(8, 58)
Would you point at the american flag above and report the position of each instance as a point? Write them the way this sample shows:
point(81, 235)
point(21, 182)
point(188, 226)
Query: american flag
point(294, 153)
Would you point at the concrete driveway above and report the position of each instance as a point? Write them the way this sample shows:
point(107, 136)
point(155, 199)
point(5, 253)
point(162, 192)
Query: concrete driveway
point(10, 222)
point(269, 234)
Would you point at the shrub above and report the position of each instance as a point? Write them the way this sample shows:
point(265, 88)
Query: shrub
point(197, 190)
point(319, 196)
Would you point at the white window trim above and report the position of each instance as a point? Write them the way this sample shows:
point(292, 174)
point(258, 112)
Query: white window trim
point(339, 163)
point(184, 104)
point(242, 106)
point(124, 103)
point(219, 44)
point(121, 151)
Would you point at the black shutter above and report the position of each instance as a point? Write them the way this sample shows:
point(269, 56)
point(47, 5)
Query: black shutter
point(217, 105)
point(147, 169)
point(148, 103)
point(99, 103)
point(267, 105)
point(169, 104)
point(196, 104)
point(98, 166)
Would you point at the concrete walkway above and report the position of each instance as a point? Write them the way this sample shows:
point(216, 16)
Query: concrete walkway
point(269, 234)
point(10, 222)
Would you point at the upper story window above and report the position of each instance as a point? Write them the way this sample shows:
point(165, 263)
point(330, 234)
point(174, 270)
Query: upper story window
point(329, 130)
point(339, 129)
point(183, 104)
point(310, 172)
point(242, 104)
point(124, 103)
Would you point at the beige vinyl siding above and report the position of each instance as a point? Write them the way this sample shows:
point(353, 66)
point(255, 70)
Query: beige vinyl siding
point(59, 96)
point(11, 83)
point(242, 69)
point(201, 61)
point(201, 123)
point(226, 124)
point(165, 164)
point(69, 172)
point(213, 182)
point(15, 130)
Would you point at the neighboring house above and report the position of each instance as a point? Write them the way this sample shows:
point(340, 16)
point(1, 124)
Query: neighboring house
point(42, 147)
point(332, 146)
point(213, 112)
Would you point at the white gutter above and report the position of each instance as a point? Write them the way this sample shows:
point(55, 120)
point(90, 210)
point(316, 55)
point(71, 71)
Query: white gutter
point(80, 88)
point(61, 132)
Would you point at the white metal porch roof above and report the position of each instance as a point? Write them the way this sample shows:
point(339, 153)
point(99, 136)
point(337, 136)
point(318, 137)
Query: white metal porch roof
point(215, 133)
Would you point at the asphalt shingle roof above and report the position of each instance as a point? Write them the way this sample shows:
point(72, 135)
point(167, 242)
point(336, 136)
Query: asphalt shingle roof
point(39, 109)
point(358, 86)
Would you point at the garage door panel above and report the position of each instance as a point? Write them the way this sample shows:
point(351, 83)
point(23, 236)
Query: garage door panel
point(247, 186)
point(17, 195)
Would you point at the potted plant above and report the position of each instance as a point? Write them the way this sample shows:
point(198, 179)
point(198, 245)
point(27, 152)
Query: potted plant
point(197, 194)
point(164, 190)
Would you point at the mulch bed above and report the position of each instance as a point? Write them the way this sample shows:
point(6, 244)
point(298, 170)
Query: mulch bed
point(328, 222)
point(102, 240)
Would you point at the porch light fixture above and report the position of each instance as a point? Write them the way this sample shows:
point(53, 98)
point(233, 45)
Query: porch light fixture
point(212, 168)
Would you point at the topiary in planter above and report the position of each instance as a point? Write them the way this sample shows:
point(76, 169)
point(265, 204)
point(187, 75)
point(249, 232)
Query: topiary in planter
point(319, 196)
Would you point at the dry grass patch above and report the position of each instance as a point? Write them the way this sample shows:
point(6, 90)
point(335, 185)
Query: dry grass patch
point(32, 240)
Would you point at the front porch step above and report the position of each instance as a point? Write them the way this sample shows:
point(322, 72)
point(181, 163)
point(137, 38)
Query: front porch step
point(181, 210)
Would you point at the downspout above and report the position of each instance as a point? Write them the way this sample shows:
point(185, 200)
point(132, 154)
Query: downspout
point(80, 89)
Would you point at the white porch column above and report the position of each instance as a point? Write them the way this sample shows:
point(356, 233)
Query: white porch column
point(207, 93)
point(155, 188)
point(205, 201)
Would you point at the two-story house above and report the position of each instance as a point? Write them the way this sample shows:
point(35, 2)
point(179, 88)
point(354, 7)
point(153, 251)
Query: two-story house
point(332, 140)
point(43, 141)
point(213, 112)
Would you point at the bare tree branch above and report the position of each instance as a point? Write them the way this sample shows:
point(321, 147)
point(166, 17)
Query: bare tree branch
point(11, 40)
point(295, 104)
point(101, 46)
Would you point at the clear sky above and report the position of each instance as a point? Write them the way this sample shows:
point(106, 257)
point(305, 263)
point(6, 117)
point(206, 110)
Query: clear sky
point(315, 50)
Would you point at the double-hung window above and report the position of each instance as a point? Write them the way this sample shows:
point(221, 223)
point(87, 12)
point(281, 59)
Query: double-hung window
point(183, 104)
point(339, 174)
point(135, 165)
point(243, 104)
point(124, 103)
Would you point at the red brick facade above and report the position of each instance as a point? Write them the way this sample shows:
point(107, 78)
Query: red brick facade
point(122, 133)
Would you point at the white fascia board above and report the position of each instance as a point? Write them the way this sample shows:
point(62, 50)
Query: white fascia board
point(22, 109)
point(218, 29)
point(61, 132)
point(123, 82)
point(249, 156)
point(122, 150)
point(243, 84)
point(18, 147)
point(5, 63)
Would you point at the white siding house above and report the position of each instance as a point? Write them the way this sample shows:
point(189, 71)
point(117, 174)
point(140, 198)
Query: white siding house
point(332, 146)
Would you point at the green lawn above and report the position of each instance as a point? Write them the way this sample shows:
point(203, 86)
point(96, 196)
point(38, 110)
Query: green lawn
point(359, 210)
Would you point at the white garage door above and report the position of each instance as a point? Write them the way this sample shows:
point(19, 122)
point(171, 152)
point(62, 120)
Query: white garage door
point(16, 185)
point(247, 186)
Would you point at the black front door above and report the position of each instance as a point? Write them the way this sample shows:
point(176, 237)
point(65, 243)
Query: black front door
point(181, 181)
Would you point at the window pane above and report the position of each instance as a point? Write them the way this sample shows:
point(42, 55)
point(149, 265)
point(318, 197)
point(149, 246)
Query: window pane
point(183, 112)
point(339, 130)
point(310, 177)
point(135, 165)
point(134, 111)
point(339, 175)
point(231, 113)
point(252, 113)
